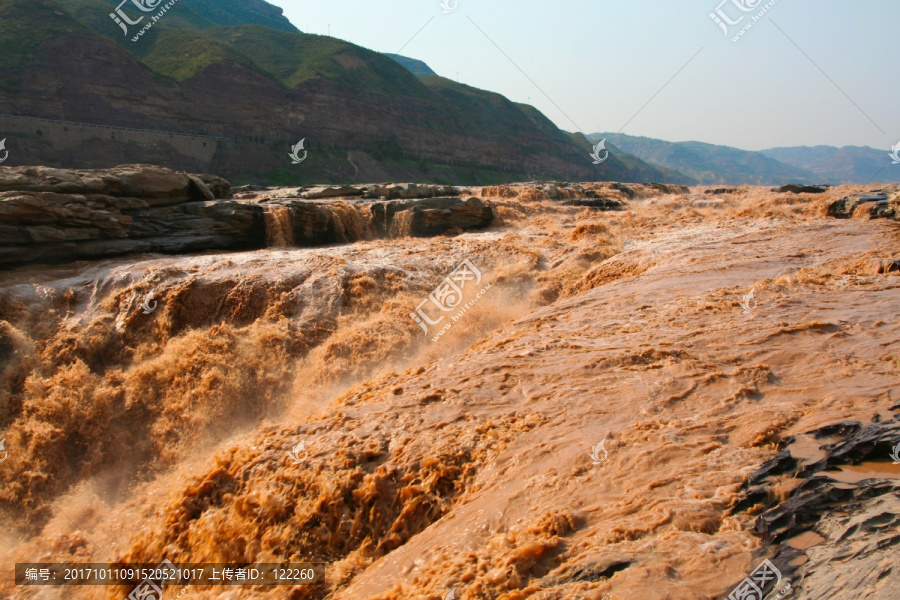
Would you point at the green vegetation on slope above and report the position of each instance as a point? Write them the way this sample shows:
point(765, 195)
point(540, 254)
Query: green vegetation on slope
point(242, 12)
point(190, 38)
point(95, 14)
point(295, 58)
point(25, 25)
point(195, 14)
point(487, 111)
point(416, 67)
point(182, 53)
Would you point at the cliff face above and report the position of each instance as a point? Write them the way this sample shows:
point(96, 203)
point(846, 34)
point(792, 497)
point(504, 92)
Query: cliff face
point(343, 102)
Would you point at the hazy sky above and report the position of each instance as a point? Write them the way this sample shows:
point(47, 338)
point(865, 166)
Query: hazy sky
point(591, 65)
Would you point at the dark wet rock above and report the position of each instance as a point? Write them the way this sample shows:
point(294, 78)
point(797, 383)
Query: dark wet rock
point(219, 187)
point(629, 193)
point(57, 215)
point(721, 191)
point(601, 203)
point(670, 188)
point(877, 204)
point(847, 505)
point(888, 265)
point(802, 189)
point(594, 572)
point(650, 189)
point(434, 216)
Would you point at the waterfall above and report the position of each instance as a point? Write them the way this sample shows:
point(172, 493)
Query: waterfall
point(352, 224)
point(279, 231)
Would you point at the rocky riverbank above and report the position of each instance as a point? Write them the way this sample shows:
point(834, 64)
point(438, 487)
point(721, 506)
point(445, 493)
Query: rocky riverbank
point(54, 215)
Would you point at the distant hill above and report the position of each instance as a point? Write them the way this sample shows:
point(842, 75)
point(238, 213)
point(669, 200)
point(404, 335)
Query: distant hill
point(850, 164)
point(710, 164)
point(416, 67)
point(627, 164)
point(258, 88)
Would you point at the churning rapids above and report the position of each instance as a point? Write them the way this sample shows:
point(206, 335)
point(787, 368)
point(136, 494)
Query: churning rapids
point(586, 429)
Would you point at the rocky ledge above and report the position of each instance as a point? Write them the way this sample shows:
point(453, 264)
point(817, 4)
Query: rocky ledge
point(56, 215)
point(878, 204)
point(829, 510)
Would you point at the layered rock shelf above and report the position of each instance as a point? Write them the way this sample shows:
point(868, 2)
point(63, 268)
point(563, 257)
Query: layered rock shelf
point(56, 215)
point(881, 203)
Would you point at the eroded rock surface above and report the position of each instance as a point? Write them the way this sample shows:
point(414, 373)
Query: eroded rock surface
point(793, 188)
point(877, 204)
point(838, 530)
point(57, 215)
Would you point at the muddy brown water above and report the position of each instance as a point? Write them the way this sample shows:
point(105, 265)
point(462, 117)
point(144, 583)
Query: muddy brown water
point(469, 464)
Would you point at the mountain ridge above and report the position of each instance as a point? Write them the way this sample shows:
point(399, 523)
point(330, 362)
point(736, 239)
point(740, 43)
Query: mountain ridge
point(415, 66)
point(711, 164)
point(848, 164)
point(271, 88)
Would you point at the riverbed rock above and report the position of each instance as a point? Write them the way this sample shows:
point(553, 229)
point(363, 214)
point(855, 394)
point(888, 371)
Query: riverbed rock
point(599, 203)
point(434, 216)
point(876, 204)
point(333, 191)
point(58, 215)
point(802, 189)
point(838, 527)
point(394, 191)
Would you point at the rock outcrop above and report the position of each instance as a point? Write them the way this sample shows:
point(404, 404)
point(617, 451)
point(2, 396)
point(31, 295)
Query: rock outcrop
point(601, 195)
point(389, 191)
point(793, 188)
point(51, 215)
point(877, 204)
point(434, 216)
point(55, 215)
point(836, 528)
